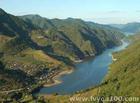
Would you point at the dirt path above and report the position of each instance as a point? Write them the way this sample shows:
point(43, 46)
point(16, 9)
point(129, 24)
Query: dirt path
point(14, 90)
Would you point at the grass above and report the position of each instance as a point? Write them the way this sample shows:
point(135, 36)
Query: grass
point(123, 78)
point(31, 61)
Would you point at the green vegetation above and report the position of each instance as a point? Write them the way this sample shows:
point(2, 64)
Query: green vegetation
point(60, 36)
point(123, 78)
point(34, 49)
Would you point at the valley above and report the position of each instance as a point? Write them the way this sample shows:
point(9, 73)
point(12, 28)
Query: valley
point(121, 81)
point(36, 51)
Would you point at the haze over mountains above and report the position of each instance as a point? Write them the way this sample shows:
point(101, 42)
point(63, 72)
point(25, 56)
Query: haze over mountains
point(133, 27)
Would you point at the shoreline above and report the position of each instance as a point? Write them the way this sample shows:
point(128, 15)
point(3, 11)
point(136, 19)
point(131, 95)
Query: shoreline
point(56, 79)
point(84, 59)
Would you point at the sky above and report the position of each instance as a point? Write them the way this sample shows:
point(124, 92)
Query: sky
point(99, 11)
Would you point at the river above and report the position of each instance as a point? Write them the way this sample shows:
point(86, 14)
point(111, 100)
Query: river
point(87, 74)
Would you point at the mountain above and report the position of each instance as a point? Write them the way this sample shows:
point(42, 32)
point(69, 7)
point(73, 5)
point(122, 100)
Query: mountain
point(128, 28)
point(34, 49)
point(37, 20)
point(19, 52)
point(91, 37)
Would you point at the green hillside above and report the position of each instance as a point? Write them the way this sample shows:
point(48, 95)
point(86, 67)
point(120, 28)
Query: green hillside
point(80, 38)
point(123, 78)
point(34, 49)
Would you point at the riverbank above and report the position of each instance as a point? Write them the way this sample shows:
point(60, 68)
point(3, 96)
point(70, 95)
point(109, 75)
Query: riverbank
point(80, 79)
point(117, 83)
point(55, 79)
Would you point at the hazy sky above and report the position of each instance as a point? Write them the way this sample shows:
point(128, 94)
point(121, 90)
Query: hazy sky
point(101, 11)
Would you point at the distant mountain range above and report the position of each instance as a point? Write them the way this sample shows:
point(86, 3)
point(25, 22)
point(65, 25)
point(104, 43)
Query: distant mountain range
point(133, 27)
